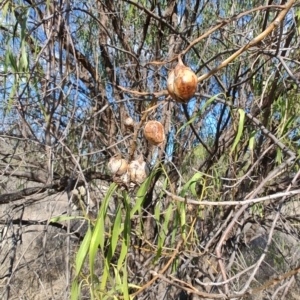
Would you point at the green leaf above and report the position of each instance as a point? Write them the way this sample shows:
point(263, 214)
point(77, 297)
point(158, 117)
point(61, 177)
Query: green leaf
point(23, 59)
point(123, 253)
point(157, 212)
point(98, 236)
point(287, 125)
point(279, 155)
point(4, 11)
point(141, 193)
point(117, 228)
point(126, 232)
point(163, 232)
point(13, 62)
point(118, 281)
point(83, 250)
point(252, 143)
point(125, 284)
point(240, 130)
point(191, 184)
point(105, 275)
point(182, 217)
point(64, 218)
point(252, 140)
point(75, 290)
point(298, 16)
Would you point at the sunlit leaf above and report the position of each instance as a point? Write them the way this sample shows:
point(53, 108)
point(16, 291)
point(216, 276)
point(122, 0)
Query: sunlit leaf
point(98, 235)
point(125, 284)
point(64, 218)
point(163, 231)
point(191, 184)
point(115, 234)
point(82, 251)
point(75, 291)
point(141, 193)
point(240, 130)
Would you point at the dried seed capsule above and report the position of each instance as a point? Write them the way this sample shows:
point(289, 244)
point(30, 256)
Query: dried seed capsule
point(117, 165)
point(154, 132)
point(138, 170)
point(182, 83)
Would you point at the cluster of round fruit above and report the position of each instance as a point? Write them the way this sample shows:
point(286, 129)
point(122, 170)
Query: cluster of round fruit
point(181, 85)
point(123, 172)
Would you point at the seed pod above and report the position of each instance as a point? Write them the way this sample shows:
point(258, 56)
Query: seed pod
point(138, 170)
point(154, 132)
point(182, 83)
point(122, 180)
point(117, 165)
point(128, 122)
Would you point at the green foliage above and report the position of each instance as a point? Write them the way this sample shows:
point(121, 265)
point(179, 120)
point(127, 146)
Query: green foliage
point(72, 72)
point(108, 243)
point(239, 131)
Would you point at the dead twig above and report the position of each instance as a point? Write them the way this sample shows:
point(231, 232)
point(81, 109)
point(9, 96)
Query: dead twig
point(230, 203)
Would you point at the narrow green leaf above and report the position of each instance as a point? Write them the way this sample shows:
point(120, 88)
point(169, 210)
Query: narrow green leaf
point(175, 228)
point(83, 250)
point(98, 236)
point(105, 276)
point(240, 129)
point(11, 97)
point(279, 156)
point(195, 178)
point(182, 213)
point(287, 125)
point(141, 193)
point(252, 140)
point(163, 232)
point(75, 292)
point(125, 284)
point(23, 59)
point(4, 11)
point(122, 256)
point(157, 212)
point(127, 222)
point(64, 218)
point(118, 281)
point(13, 62)
point(126, 232)
point(115, 234)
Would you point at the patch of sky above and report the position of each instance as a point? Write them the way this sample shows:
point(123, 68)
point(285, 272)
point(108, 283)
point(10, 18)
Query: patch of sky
point(154, 157)
point(151, 81)
point(170, 144)
point(180, 9)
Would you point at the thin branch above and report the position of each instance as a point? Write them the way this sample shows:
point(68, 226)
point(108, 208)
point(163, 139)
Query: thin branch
point(37, 176)
point(288, 70)
point(230, 203)
point(176, 251)
point(190, 290)
point(252, 43)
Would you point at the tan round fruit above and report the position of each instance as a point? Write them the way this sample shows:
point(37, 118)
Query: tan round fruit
point(154, 132)
point(138, 170)
point(182, 83)
point(117, 165)
point(128, 122)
